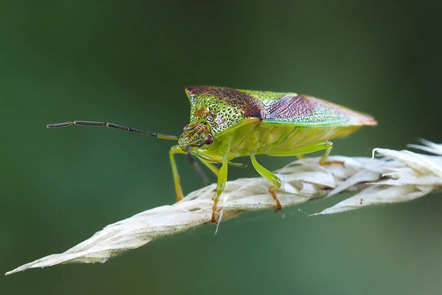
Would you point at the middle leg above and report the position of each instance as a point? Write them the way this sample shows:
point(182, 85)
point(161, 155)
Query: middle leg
point(270, 177)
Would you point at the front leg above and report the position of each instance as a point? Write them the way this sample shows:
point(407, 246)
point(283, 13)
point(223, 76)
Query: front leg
point(176, 178)
point(222, 179)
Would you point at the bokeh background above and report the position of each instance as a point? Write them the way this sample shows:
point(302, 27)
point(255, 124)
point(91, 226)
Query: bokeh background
point(127, 62)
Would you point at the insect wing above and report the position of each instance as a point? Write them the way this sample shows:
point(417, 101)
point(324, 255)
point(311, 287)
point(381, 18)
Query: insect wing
point(310, 111)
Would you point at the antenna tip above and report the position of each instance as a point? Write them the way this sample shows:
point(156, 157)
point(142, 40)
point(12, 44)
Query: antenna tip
point(56, 125)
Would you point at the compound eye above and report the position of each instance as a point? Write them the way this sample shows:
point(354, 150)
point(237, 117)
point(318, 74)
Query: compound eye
point(185, 127)
point(209, 139)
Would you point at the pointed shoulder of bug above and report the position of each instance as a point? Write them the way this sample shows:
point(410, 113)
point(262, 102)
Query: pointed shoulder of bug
point(222, 107)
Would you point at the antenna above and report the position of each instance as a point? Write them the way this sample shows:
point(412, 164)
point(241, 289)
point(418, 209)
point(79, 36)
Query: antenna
point(191, 158)
point(112, 125)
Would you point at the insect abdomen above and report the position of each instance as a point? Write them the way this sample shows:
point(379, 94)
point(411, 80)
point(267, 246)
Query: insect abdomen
point(269, 138)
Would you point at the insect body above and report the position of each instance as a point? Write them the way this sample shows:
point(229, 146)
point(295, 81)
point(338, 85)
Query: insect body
point(228, 123)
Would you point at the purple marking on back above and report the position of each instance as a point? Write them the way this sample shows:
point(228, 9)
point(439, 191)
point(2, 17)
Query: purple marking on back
point(289, 107)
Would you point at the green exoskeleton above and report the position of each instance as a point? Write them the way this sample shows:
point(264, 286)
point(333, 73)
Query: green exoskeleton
point(227, 123)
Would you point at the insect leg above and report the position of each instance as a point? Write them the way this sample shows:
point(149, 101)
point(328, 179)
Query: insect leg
point(176, 178)
point(195, 166)
point(327, 146)
point(209, 165)
point(303, 150)
point(222, 179)
point(270, 177)
point(323, 160)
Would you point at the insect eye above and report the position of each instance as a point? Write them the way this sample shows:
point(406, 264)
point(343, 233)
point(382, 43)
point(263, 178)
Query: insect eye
point(185, 127)
point(209, 139)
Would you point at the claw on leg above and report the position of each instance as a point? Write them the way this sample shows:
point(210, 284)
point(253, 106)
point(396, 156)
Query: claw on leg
point(323, 161)
point(327, 163)
point(214, 206)
point(272, 192)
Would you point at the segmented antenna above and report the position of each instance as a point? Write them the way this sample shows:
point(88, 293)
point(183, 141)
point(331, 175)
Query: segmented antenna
point(112, 125)
point(195, 165)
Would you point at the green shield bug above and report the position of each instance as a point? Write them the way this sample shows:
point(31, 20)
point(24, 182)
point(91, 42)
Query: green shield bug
point(228, 123)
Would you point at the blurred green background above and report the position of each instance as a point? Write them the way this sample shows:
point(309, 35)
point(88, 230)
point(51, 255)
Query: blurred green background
point(127, 62)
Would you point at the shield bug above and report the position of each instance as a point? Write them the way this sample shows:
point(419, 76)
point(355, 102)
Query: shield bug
point(228, 123)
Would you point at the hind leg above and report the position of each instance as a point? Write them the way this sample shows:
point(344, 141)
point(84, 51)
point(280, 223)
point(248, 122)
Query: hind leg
point(300, 151)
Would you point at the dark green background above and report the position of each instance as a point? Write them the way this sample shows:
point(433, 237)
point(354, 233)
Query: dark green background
point(127, 62)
